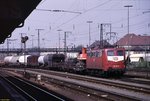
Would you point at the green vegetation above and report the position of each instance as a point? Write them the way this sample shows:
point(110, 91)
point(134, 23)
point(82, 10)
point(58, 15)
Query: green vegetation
point(139, 65)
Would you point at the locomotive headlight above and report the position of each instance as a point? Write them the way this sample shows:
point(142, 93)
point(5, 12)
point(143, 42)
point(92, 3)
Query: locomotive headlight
point(115, 66)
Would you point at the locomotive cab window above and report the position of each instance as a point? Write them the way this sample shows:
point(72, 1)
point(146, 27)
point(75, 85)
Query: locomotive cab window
point(120, 53)
point(110, 53)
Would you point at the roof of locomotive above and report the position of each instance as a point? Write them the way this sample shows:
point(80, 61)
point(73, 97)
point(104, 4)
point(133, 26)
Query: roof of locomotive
point(110, 48)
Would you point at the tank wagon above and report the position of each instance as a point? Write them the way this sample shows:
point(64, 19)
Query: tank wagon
point(7, 59)
point(41, 61)
point(23, 60)
point(14, 61)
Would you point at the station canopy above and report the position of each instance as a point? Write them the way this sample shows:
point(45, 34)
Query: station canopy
point(13, 14)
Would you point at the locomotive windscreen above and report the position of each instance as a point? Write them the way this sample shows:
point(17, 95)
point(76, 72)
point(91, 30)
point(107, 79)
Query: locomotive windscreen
point(115, 53)
point(120, 53)
point(110, 53)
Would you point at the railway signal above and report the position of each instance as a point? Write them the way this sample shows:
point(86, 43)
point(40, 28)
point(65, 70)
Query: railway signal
point(24, 39)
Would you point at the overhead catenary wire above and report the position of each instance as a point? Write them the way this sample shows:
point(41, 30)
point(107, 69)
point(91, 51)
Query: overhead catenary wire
point(81, 14)
point(79, 30)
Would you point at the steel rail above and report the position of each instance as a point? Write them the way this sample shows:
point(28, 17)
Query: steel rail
point(19, 88)
point(110, 96)
point(41, 89)
point(66, 82)
point(34, 99)
point(48, 74)
point(124, 85)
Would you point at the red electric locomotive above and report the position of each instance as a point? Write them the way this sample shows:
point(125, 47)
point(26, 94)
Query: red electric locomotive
point(106, 61)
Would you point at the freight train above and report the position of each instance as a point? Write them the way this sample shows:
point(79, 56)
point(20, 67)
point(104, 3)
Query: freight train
point(95, 61)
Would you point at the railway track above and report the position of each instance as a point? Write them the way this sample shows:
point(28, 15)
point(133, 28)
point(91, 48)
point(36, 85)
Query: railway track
point(30, 91)
point(133, 80)
point(100, 88)
point(117, 83)
point(138, 73)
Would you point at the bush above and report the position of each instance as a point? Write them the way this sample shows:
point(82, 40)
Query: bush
point(144, 64)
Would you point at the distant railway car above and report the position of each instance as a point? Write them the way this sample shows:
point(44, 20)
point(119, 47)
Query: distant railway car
point(45, 60)
point(106, 61)
point(32, 61)
point(52, 61)
point(70, 64)
point(81, 64)
point(56, 61)
point(140, 57)
point(29, 60)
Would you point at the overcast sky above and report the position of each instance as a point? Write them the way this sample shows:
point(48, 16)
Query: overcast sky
point(97, 11)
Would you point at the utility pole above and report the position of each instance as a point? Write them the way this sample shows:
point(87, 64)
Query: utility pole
point(39, 39)
point(24, 40)
point(7, 46)
point(20, 41)
point(89, 31)
point(128, 6)
point(146, 44)
point(101, 33)
point(32, 40)
point(112, 36)
point(8, 42)
point(43, 39)
point(101, 36)
point(12, 40)
point(65, 42)
point(59, 39)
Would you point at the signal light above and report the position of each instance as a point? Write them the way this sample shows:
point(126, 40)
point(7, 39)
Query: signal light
point(24, 39)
